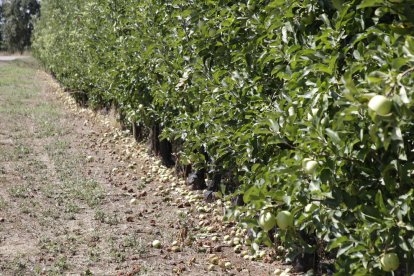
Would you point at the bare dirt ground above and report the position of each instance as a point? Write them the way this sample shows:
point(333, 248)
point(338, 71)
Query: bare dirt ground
point(79, 197)
point(4, 56)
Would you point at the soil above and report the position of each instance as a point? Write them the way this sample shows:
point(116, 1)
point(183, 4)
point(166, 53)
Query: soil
point(79, 197)
point(11, 58)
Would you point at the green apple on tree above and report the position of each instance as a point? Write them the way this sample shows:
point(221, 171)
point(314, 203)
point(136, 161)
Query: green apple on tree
point(267, 221)
point(380, 105)
point(309, 165)
point(390, 262)
point(284, 220)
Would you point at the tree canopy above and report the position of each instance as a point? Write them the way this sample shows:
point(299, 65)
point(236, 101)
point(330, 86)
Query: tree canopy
point(17, 26)
point(1, 24)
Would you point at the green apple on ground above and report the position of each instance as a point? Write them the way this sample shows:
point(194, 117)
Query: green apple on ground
point(390, 262)
point(156, 244)
point(284, 220)
point(380, 105)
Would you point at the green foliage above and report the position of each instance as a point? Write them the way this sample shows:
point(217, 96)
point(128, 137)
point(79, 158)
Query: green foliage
point(1, 22)
point(262, 85)
point(17, 27)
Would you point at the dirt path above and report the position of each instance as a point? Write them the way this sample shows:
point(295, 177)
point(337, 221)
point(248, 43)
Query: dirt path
point(11, 58)
point(79, 197)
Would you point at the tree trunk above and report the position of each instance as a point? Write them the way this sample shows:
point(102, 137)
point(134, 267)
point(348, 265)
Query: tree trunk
point(138, 132)
point(161, 148)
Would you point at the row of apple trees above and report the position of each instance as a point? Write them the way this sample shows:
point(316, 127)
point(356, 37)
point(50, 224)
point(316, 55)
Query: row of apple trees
point(305, 108)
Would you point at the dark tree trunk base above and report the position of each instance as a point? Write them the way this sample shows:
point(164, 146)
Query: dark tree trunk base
point(166, 153)
point(138, 131)
point(122, 120)
point(161, 148)
point(197, 180)
point(307, 261)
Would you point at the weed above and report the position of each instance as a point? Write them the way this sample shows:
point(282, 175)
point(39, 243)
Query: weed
point(36, 165)
point(49, 190)
point(47, 129)
point(22, 151)
point(136, 245)
point(87, 273)
point(7, 154)
point(52, 247)
point(88, 190)
point(61, 264)
point(71, 207)
point(100, 215)
point(141, 185)
point(116, 252)
point(19, 190)
point(18, 265)
point(52, 213)
point(94, 255)
point(3, 203)
point(106, 218)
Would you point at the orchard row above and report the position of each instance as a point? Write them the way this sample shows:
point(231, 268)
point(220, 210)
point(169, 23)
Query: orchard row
point(302, 110)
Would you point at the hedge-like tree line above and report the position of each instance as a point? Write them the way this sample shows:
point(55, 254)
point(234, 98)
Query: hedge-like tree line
point(300, 106)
